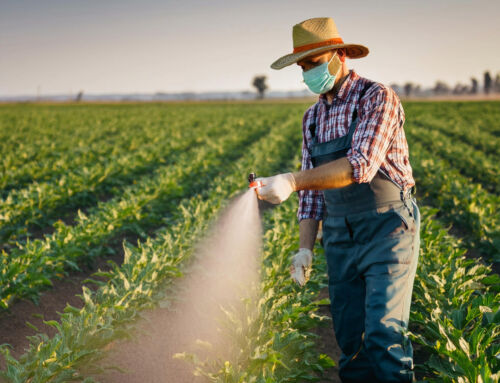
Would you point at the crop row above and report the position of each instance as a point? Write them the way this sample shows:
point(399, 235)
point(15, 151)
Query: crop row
point(482, 116)
point(37, 140)
point(477, 130)
point(461, 202)
point(40, 202)
point(81, 141)
point(455, 314)
point(27, 269)
point(140, 282)
point(468, 161)
point(273, 338)
point(456, 310)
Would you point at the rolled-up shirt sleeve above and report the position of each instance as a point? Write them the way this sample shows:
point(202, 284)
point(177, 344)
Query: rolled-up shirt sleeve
point(380, 118)
point(311, 202)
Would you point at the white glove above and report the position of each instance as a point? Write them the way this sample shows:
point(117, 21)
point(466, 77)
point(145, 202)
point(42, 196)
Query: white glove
point(276, 189)
point(301, 266)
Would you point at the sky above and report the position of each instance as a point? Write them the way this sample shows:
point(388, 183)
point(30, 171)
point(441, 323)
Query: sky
point(123, 46)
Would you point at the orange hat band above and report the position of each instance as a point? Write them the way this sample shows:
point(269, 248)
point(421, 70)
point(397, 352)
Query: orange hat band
point(307, 47)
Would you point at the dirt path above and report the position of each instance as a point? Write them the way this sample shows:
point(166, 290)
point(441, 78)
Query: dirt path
point(149, 357)
point(327, 343)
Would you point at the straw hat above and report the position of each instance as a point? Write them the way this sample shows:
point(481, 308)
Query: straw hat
point(314, 36)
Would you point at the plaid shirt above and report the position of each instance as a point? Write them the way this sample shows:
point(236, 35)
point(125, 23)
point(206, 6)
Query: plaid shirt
point(379, 140)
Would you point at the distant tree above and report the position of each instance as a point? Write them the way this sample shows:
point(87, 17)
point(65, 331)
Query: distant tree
point(474, 85)
point(441, 88)
point(460, 89)
point(79, 96)
point(408, 87)
point(497, 83)
point(487, 82)
point(259, 82)
point(417, 89)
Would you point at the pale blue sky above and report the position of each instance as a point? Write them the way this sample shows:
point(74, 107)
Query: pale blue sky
point(125, 46)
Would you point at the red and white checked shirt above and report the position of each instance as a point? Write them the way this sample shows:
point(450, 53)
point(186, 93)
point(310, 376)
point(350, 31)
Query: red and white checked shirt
point(378, 141)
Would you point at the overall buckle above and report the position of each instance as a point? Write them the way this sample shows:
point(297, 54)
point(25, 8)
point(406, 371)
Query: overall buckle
point(405, 198)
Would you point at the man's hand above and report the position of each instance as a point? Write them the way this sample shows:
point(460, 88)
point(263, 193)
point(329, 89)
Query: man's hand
point(300, 269)
point(276, 189)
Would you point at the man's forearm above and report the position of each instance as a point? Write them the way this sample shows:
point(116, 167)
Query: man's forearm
point(334, 174)
point(308, 230)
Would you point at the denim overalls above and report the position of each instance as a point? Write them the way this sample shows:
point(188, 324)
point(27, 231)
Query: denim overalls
point(371, 240)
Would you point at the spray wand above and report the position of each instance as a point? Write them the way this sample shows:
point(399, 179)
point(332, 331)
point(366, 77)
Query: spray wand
point(252, 183)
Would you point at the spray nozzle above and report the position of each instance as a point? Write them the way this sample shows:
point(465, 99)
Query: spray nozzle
point(252, 183)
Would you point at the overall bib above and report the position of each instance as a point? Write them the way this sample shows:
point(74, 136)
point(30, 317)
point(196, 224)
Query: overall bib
point(371, 241)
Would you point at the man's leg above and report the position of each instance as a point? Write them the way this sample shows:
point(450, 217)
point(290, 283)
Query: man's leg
point(390, 263)
point(347, 294)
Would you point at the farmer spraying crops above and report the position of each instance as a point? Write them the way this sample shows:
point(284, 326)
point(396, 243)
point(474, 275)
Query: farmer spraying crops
point(357, 179)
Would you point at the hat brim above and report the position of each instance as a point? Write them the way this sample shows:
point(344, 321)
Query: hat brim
point(353, 51)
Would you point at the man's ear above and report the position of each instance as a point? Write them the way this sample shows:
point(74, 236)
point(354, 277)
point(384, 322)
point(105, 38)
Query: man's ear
point(342, 55)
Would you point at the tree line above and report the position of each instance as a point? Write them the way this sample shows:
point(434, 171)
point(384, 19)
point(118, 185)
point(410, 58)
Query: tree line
point(409, 89)
point(440, 88)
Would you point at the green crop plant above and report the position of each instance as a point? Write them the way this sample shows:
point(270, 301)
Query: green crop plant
point(168, 201)
point(40, 202)
point(461, 202)
point(29, 268)
point(272, 339)
point(455, 310)
point(473, 123)
point(470, 162)
point(141, 281)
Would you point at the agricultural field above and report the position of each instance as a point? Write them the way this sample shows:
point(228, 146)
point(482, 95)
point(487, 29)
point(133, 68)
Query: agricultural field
point(102, 206)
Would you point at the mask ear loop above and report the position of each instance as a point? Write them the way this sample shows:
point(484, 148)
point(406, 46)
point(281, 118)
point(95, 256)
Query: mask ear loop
point(329, 62)
point(335, 54)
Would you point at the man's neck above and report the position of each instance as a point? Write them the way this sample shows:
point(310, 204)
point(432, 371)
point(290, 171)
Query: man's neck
point(330, 95)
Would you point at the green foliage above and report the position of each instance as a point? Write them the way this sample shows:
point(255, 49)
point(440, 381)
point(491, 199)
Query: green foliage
point(455, 310)
point(446, 171)
point(148, 269)
point(272, 338)
point(161, 173)
point(29, 267)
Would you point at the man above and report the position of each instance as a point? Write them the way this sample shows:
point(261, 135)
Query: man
point(356, 178)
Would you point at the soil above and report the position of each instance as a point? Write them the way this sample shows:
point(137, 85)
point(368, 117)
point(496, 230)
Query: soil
point(327, 343)
point(149, 357)
point(473, 253)
point(13, 328)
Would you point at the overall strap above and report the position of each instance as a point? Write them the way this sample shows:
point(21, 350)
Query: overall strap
point(313, 126)
point(354, 119)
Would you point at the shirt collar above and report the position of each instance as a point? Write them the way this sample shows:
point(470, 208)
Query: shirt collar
point(345, 89)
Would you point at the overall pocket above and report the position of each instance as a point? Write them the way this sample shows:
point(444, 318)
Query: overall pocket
point(389, 221)
point(407, 226)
